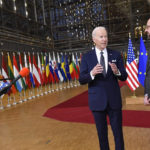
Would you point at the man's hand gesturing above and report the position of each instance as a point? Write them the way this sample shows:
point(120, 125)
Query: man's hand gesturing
point(114, 68)
point(97, 69)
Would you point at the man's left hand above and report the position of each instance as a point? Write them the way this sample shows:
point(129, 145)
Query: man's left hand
point(146, 100)
point(114, 68)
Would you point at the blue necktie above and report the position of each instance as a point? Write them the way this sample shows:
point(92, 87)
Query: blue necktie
point(102, 62)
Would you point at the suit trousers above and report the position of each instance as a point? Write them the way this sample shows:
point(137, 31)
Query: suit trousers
point(115, 118)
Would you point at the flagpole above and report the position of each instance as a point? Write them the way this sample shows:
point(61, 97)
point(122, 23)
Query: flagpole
point(72, 83)
point(8, 100)
point(24, 96)
point(1, 103)
point(14, 103)
point(130, 35)
point(68, 86)
point(49, 88)
point(33, 92)
point(134, 95)
point(141, 33)
point(20, 94)
point(60, 85)
point(41, 89)
point(75, 83)
point(65, 86)
point(57, 87)
point(78, 83)
point(30, 94)
point(53, 88)
point(37, 90)
point(45, 90)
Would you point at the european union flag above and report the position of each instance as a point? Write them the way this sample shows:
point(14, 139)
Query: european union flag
point(142, 62)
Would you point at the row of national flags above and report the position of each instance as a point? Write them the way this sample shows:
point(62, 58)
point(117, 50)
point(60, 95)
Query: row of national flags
point(44, 69)
point(136, 67)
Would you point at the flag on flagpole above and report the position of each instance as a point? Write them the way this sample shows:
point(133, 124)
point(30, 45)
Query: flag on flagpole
point(4, 70)
point(16, 73)
point(48, 76)
point(67, 68)
point(11, 74)
point(80, 57)
point(40, 69)
point(22, 79)
point(77, 64)
point(1, 77)
point(60, 70)
point(36, 75)
point(131, 68)
point(10, 68)
point(47, 70)
point(51, 69)
point(43, 70)
point(31, 71)
point(27, 78)
point(71, 69)
point(54, 65)
point(142, 62)
point(74, 67)
point(63, 65)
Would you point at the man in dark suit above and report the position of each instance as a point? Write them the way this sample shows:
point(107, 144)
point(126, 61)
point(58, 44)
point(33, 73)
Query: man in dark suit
point(101, 68)
point(147, 78)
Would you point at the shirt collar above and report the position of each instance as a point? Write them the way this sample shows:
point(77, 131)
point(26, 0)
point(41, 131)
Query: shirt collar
point(98, 50)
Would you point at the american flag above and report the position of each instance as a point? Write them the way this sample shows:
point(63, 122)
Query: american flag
point(132, 68)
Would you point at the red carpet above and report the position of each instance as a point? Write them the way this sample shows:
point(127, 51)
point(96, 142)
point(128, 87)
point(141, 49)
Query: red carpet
point(76, 110)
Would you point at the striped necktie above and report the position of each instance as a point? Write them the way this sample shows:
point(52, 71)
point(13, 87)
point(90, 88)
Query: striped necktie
point(102, 62)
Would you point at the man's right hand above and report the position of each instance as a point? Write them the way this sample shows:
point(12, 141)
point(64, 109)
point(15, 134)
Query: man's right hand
point(97, 69)
point(146, 100)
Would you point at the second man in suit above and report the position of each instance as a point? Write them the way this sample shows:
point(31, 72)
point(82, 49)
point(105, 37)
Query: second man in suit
point(147, 77)
point(101, 68)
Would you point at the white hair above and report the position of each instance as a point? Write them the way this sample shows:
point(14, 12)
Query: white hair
point(96, 29)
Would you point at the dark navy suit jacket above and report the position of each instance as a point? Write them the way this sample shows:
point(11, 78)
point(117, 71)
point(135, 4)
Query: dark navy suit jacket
point(147, 78)
point(102, 91)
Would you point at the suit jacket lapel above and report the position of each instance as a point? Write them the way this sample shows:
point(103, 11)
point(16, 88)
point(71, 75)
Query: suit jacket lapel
point(94, 58)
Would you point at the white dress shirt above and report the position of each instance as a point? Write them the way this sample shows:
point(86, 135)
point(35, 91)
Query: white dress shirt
point(106, 60)
point(105, 54)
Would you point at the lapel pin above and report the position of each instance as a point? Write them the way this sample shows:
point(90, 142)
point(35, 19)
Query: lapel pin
point(114, 60)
